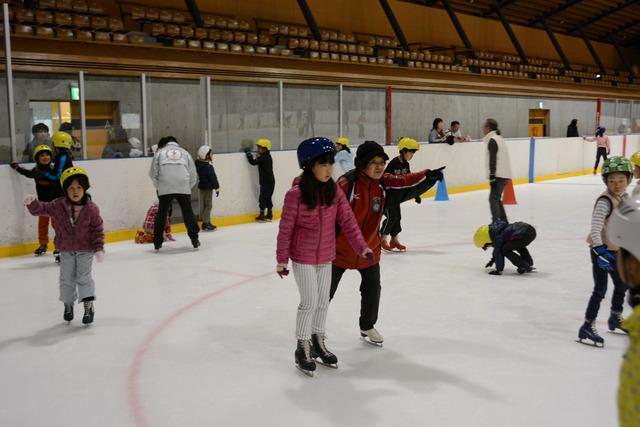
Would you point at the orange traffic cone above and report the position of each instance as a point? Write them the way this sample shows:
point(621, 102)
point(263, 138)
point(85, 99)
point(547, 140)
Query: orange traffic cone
point(509, 195)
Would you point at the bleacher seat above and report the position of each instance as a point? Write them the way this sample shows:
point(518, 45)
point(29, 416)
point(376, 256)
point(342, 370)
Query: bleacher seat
point(44, 31)
point(180, 43)
point(66, 5)
point(80, 6)
point(84, 35)
point(64, 33)
point(102, 36)
point(165, 15)
point(44, 17)
point(99, 23)
point(81, 21)
point(63, 19)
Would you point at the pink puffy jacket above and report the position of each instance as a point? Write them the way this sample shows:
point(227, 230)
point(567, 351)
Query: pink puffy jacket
point(308, 236)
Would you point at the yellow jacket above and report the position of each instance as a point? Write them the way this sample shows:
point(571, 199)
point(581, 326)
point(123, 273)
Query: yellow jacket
point(629, 391)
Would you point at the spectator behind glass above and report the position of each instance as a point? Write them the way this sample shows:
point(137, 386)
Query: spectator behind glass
point(76, 147)
point(136, 147)
point(572, 129)
point(437, 136)
point(635, 127)
point(118, 144)
point(40, 133)
point(455, 133)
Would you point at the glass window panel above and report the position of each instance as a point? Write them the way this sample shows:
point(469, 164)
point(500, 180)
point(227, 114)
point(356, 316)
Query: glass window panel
point(241, 113)
point(363, 115)
point(176, 108)
point(47, 99)
point(309, 111)
point(5, 140)
point(113, 107)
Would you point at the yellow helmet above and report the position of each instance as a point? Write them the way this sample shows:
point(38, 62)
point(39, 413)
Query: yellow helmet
point(635, 159)
point(78, 173)
point(408, 144)
point(482, 237)
point(264, 143)
point(62, 140)
point(39, 149)
point(342, 141)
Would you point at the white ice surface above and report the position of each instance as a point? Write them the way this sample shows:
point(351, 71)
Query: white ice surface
point(204, 338)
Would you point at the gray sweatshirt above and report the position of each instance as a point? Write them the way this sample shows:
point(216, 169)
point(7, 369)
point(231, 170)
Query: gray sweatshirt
point(173, 170)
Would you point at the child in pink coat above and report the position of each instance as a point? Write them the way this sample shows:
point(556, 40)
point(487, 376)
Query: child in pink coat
point(79, 237)
point(604, 146)
point(312, 208)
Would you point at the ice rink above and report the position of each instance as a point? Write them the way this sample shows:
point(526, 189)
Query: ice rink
point(206, 337)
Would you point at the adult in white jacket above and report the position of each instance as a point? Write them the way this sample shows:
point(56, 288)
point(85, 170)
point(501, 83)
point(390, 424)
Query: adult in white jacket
point(173, 174)
point(499, 168)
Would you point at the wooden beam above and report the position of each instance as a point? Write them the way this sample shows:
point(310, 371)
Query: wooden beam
point(492, 9)
point(556, 45)
point(457, 24)
point(595, 55)
point(308, 16)
point(512, 35)
point(566, 5)
point(394, 24)
point(602, 15)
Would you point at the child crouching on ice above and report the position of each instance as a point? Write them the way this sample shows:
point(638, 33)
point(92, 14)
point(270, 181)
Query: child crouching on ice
point(312, 208)
point(146, 235)
point(507, 240)
point(79, 237)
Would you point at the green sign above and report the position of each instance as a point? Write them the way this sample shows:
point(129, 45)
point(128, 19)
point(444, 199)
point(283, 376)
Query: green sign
point(75, 93)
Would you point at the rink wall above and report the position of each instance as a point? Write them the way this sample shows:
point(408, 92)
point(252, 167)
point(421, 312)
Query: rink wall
point(123, 191)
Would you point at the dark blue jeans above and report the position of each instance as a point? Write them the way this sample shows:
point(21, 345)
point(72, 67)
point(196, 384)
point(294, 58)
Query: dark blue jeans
point(600, 289)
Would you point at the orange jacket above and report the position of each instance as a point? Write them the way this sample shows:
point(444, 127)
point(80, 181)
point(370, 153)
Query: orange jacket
point(367, 198)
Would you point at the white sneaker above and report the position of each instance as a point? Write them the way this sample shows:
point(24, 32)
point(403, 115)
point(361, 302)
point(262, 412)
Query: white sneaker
point(373, 336)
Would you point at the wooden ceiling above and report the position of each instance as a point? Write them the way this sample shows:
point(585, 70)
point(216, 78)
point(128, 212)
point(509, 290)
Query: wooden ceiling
point(599, 19)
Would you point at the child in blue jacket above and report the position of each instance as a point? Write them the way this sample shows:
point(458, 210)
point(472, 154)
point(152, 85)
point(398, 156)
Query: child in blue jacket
point(207, 183)
point(507, 240)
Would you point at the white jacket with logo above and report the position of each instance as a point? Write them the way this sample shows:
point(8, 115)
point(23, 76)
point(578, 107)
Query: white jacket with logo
point(173, 170)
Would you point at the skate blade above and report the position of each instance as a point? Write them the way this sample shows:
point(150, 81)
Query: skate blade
point(617, 331)
point(328, 365)
point(373, 343)
point(590, 343)
point(304, 371)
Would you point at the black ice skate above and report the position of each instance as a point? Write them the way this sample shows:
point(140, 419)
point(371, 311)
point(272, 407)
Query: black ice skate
point(88, 313)
point(320, 353)
point(56, 256)
point(269, 216)
point(68, 312)
point(615, 323)
point(196, 243)
point(260, 218)
point(303, 359)
point(588, 335)
point(40, 250)
point(371, 336)
point(522, 270)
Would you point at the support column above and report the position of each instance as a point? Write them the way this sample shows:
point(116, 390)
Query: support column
point(9, 69)
point(457, 24)
point(555, 43)
point(595, 55)
point(340, 106)
point(281, 112)
point(83, 116)
point(394, 24)
point(512, 36)
point(308, 16)
point(145, 132)
point(389, 127)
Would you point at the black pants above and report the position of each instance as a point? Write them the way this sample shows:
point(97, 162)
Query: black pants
point(264, 200)
point(495, 200)
point(602, 152)
point(600, 289)
point(184, 200)
point(391, 225)
point(516, 250)
point(369, 293)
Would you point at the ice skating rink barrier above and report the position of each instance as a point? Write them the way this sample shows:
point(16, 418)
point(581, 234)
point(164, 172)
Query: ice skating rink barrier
point(123, 191)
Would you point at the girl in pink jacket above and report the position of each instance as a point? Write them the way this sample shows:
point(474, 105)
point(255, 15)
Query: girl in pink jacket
point(79, 237)
point(604, 147)
point(313, 207)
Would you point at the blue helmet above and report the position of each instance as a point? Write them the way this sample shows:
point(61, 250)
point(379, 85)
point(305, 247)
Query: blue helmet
point(601, 130)
point(314, 147)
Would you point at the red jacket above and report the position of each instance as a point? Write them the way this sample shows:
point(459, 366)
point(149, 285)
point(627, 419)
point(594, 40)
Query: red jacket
point(308, 236)
point(367, 198)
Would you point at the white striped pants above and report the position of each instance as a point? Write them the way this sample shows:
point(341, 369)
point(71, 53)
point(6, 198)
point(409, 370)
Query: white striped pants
point(314, 283)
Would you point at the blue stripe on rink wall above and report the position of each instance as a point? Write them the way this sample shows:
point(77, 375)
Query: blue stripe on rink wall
point(532, 159)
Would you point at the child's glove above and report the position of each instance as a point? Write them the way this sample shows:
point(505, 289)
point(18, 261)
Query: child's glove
point(14, 165)
point(368, 255)
point(29, 199)
point(606, 258)
point(490, 263)
point(436, 174)
point(418, 199)
point(171, 238)
point(217, 193)
point(247, 150)
point(99, 256)
point(282, 271)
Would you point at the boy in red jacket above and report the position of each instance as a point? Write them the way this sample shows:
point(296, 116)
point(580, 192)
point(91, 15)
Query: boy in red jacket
point(368, 189)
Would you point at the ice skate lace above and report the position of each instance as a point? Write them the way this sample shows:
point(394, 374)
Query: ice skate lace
point(594, 331)
point(306, 348)
point(88, 306)
point(322, 347)
point(618, 317)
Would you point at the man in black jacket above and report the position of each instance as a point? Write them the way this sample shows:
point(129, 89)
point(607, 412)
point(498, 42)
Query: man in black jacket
point(267, 180)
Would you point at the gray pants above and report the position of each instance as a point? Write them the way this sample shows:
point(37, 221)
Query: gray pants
point(206, 197)
point(495, 200)
point(75, 273)
point(314, 283)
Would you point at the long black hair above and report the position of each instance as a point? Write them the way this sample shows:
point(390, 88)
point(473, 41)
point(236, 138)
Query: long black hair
point(314, 192)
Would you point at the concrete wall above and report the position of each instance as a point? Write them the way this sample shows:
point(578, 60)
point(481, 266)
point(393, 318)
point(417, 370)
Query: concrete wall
point(123, 191)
